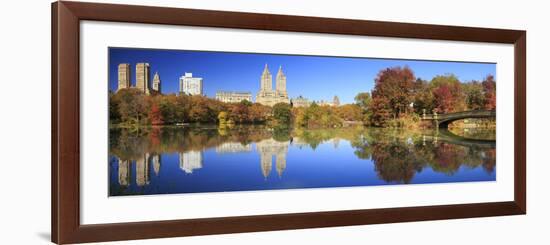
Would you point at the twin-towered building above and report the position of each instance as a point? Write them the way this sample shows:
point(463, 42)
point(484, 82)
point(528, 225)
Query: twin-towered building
point(268, 96)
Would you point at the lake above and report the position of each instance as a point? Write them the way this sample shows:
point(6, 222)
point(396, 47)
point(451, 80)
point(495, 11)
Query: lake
point(195, 159)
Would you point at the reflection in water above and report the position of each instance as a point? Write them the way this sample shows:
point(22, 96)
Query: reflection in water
point(123, 172)
point(233, 147)
point(201, 159)
point(142, 165)
point(190, 161)
point(269, 148)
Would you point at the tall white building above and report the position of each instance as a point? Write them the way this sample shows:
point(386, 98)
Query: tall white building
point(190, 85)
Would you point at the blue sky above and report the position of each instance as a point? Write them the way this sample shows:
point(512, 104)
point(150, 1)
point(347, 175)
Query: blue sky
point(314, 77)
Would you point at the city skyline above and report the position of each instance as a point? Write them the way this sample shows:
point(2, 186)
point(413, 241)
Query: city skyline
point(313, 77)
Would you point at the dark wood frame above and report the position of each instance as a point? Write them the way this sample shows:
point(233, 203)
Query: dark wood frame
point(65, 181)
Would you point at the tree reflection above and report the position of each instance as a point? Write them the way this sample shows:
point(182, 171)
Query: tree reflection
point(398, 154)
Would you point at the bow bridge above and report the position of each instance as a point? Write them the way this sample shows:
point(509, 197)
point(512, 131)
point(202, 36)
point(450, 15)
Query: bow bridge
point(443, 120)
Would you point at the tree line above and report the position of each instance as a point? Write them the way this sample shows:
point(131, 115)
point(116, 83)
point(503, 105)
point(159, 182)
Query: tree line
point(398, 95)
point(398, 99)
point(132, 107)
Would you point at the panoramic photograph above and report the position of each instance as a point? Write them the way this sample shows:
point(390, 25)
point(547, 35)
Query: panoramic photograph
point(184, 121)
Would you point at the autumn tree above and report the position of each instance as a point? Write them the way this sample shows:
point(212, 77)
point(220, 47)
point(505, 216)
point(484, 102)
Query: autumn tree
point(239, 112)
point(392, 94)
point(349, 112)
point(223, 117)
point(473, 91)
point(489, 90)
point(444, 99)
point(258, 113)
point(182, 107)
point(423, 97)
point(448, 95)
point(132, 106)
point(167, 106)
point(203, 109)
point(315, 116)
point(114, 114)
point(155, 115)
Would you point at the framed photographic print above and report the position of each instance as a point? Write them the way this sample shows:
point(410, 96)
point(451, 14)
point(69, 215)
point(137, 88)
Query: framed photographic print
point(176, 122)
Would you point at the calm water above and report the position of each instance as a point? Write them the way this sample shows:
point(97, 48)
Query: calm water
point(210, 159)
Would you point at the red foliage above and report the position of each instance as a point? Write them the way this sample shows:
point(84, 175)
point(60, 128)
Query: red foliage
point(444, 99)
point(155, 116)
point(489, 90)
point(392, 93)
point(154, 136)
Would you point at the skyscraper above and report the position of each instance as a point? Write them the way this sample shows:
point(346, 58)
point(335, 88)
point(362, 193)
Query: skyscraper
point(156, 82)
point(142, 77)
point(190, 85)
point(123, 76)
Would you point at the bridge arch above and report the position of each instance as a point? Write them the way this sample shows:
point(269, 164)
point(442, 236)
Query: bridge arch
point(443, 120)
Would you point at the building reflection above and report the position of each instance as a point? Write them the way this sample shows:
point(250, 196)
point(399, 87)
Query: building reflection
point(123, 172)
point(233, 147)
point(269, 148)
point(142, 175)
point(142, 169)
point(156, 164)
point(190, 161)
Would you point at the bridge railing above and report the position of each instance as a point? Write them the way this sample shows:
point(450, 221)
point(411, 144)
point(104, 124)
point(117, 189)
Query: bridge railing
point(465, 114)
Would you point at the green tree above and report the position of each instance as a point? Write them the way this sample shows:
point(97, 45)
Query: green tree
point(282, 113)
point(246, 102)
point(363, 100)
